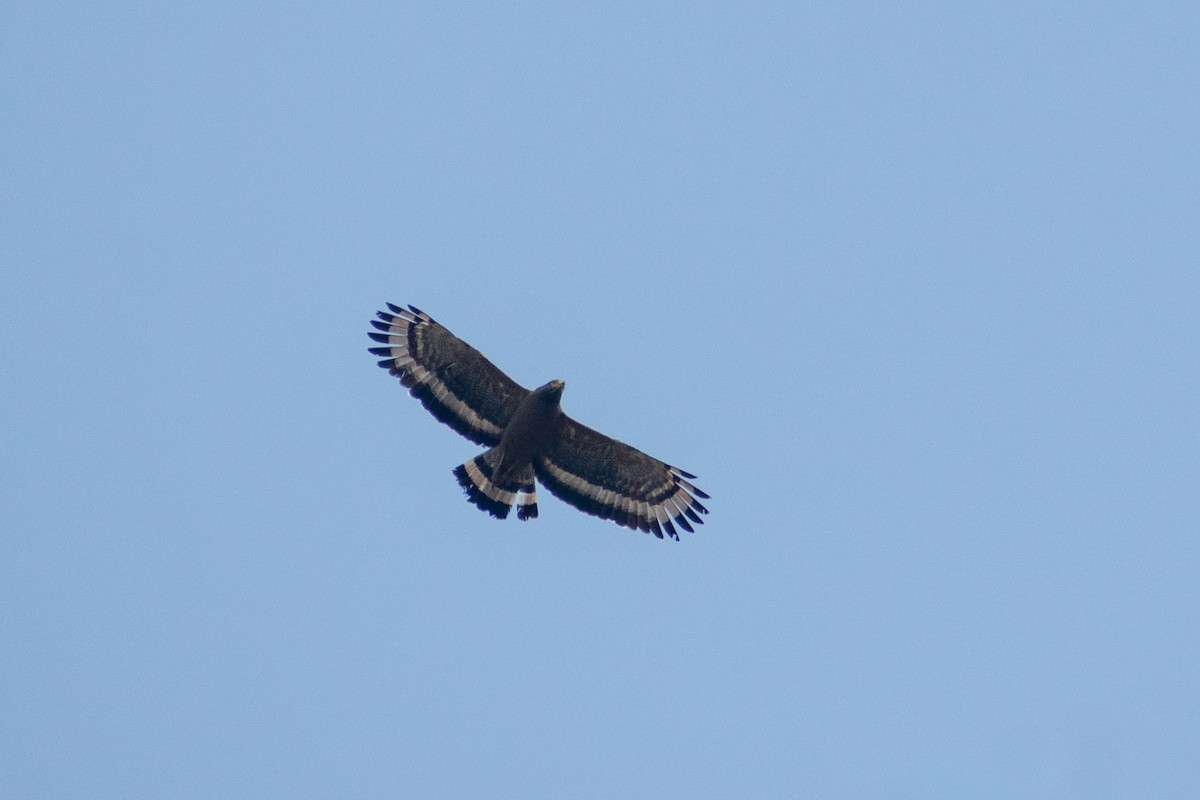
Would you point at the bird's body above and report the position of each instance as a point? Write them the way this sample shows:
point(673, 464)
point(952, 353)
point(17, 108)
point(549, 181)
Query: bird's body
point(534, 424)
point(504, 474)
point(529, 436)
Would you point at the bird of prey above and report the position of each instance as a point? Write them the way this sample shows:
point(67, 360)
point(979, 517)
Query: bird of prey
point(528, 435)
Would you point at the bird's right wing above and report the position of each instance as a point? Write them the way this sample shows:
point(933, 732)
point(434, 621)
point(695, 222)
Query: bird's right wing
point(610, 479)
point(453, 380)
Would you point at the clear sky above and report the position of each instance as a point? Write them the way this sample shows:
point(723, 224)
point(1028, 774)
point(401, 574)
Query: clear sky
point(913, 289)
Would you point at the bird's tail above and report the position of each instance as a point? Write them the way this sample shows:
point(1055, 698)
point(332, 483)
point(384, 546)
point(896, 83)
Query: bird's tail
point(496, 494)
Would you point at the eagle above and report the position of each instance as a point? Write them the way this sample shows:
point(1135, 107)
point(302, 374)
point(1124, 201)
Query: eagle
point(528, 435)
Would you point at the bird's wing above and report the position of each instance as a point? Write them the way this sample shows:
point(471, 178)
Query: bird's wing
point(452, 379)
point(610, 479)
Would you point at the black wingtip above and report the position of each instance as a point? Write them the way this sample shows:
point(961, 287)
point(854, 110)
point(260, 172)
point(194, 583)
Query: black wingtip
point(670, 529)
point(379, 337)
point(395, 309)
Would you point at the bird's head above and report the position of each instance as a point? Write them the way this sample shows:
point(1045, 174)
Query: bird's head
point(551, 392)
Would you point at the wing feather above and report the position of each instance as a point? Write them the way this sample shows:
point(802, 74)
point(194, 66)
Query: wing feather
point(458, 385)
point(607, 478)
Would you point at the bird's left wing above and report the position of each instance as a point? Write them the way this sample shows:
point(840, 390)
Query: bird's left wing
point(602, 476)
point(453, 380)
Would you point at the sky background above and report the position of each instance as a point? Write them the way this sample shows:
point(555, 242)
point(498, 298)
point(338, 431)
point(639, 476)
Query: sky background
point(913, 289)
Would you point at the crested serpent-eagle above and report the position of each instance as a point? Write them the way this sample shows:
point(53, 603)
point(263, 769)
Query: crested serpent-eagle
point(529, 435)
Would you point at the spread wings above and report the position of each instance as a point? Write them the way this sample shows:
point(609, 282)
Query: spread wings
point(452, 379)
point(610, 479)
point(591, 471)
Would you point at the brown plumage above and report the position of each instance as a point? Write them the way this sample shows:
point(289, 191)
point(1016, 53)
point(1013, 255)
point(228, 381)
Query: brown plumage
point(529, 436)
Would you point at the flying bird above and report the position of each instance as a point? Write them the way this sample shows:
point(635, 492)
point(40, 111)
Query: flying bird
point(528, 435)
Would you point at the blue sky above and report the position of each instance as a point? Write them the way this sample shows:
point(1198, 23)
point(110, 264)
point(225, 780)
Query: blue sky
point(912, 289)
